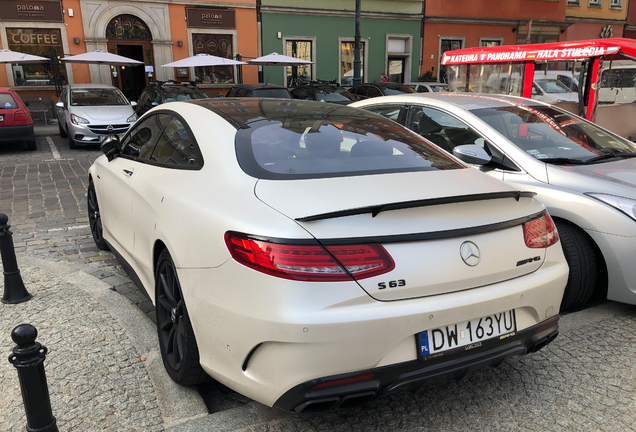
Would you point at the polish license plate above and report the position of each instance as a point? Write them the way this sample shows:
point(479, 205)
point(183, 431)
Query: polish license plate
point(467, 334)
point(101, 138)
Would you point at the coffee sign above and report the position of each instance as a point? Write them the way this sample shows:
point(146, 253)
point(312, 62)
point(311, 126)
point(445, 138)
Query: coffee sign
point(211, 18)
point(23, 10)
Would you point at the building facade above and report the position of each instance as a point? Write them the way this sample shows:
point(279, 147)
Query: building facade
point(323, 32)
point(456, 24)
point(155, 33)
point(595, 19)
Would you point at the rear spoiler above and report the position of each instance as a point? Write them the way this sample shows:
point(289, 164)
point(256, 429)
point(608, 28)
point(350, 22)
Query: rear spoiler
point(379, 208)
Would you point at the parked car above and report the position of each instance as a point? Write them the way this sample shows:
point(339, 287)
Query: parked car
point(428, 87)
point(552, 90)
point(618, 84)
point(278, 247)
point(323, 93)
point(370, 90)
point(585, 175)
point(159, 92)
point(261, 90)
point(16, 123)
point(87, 113)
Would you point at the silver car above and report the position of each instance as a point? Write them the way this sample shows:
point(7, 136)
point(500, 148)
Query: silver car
point(89, 112)
point(585, 175)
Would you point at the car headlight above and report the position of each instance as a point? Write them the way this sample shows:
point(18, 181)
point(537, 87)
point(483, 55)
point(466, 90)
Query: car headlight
point(625, 205)
point(133, 118)
point(78, 120)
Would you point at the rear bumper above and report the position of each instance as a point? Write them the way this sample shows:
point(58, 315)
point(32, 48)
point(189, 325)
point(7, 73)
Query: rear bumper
point(15, 133)
point(377, 382)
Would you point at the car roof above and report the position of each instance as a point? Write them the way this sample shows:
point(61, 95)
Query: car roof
point(77, 86)
point(466, 101)
point(383, 85)
point(258, 85)
point(241, 111)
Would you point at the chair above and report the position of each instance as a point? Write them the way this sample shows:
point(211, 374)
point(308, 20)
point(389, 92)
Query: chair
point(42, 105)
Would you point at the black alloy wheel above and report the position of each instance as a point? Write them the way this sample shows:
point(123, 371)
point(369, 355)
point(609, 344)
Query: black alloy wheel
point(62, 133)
point(94, 217)
point(71, 141)
point(581, 258)
point(179, 349)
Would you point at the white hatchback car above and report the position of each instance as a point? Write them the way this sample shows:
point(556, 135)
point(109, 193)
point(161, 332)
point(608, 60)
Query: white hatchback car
point(585, 175)
point(87, 113)
point(314, 256)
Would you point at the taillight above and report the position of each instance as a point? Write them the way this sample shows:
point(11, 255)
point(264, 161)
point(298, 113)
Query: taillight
point(540, 232)
point(19, 116)
point(310, 262)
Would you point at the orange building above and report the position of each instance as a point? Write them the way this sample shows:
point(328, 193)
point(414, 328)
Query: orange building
point(155, 33)
point(595, 19)
point(455, 24)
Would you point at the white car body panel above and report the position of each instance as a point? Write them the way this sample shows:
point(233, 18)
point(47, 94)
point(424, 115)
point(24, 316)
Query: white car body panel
point(292, 331)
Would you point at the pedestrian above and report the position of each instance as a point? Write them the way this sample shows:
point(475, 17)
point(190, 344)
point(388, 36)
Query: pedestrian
point(384, 78)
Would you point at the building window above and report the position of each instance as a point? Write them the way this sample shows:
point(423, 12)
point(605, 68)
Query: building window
point(398, 57)
point(219, 45)
point(616, 4)
point(595, 3)
point(574, 3)
point(447, 44)
point(301, 49)
point(347, 55)
point(490, 42)
point(43, 42)
point(127, 27)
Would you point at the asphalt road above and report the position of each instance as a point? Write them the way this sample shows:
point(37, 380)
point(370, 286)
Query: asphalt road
point(585, 380)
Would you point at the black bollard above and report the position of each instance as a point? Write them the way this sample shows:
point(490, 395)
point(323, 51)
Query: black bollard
point(14, 290)
point(28, 357)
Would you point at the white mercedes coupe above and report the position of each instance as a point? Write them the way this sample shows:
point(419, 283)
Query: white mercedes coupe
point(313, 256)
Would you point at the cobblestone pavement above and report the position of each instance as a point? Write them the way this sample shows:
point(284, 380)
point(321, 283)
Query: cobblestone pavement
point(584, 381)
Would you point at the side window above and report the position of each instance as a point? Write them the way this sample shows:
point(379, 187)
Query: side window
point(362, 90)
point(241, 92)
point(374, 92)
point(143, 97)
point(140, 142)
point(389, 111)
point(231, 92)
point(176, 147)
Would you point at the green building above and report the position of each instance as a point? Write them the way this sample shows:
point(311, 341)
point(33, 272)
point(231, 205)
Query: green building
point(322, 31)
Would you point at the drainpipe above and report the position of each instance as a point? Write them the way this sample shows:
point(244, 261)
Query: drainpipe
point(259, 38)
point(422, 39)
point(356, 59)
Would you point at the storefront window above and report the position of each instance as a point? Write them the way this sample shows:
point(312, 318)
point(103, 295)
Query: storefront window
point(298, 74)
point(219, 45)
point(41, 42)
point(347, 56)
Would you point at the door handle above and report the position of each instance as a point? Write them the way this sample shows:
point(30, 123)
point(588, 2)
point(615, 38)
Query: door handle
point(128, 172)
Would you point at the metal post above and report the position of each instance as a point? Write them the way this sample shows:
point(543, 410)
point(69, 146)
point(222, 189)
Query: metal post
point(14, 290)
point(28, 357)
point(356, 59)
point(239, 70)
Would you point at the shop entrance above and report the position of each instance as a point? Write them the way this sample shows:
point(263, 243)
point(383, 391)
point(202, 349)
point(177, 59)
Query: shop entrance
point(129, 36)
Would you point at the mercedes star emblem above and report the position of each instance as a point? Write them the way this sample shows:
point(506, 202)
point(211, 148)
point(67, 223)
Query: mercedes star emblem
point(110, 128)
point(470, 253)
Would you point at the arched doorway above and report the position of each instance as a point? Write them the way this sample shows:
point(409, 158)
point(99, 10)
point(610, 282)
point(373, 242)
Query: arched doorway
point(130, 37)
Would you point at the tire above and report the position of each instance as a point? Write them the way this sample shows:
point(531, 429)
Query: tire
point(94, 217)
point(32, 145)
point(62, 133)
point(581, 258)
point(178, 346)
point(71, 141)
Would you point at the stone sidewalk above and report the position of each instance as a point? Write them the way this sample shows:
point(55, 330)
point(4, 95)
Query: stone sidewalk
point(103, 368)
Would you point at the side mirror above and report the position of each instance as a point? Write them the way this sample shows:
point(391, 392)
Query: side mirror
point(155, 103)
point(111, 147)
point(472, 154)
point(60, 104)
point(133, 103)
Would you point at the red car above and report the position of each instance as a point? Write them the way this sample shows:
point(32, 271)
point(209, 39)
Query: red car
point(16, 123)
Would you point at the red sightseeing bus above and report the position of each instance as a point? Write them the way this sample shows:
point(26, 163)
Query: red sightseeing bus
point(595, 79)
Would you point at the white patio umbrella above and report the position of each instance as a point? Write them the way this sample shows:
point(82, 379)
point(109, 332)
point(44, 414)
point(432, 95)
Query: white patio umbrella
point(102, 57)
point(204, 60)
point(8, 56)
point(275, 59)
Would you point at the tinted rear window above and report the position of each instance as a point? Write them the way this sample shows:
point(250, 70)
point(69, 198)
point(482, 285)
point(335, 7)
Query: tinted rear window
point(299, 147)
point(183, 94)
point(7, 101)
point(272, 93)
